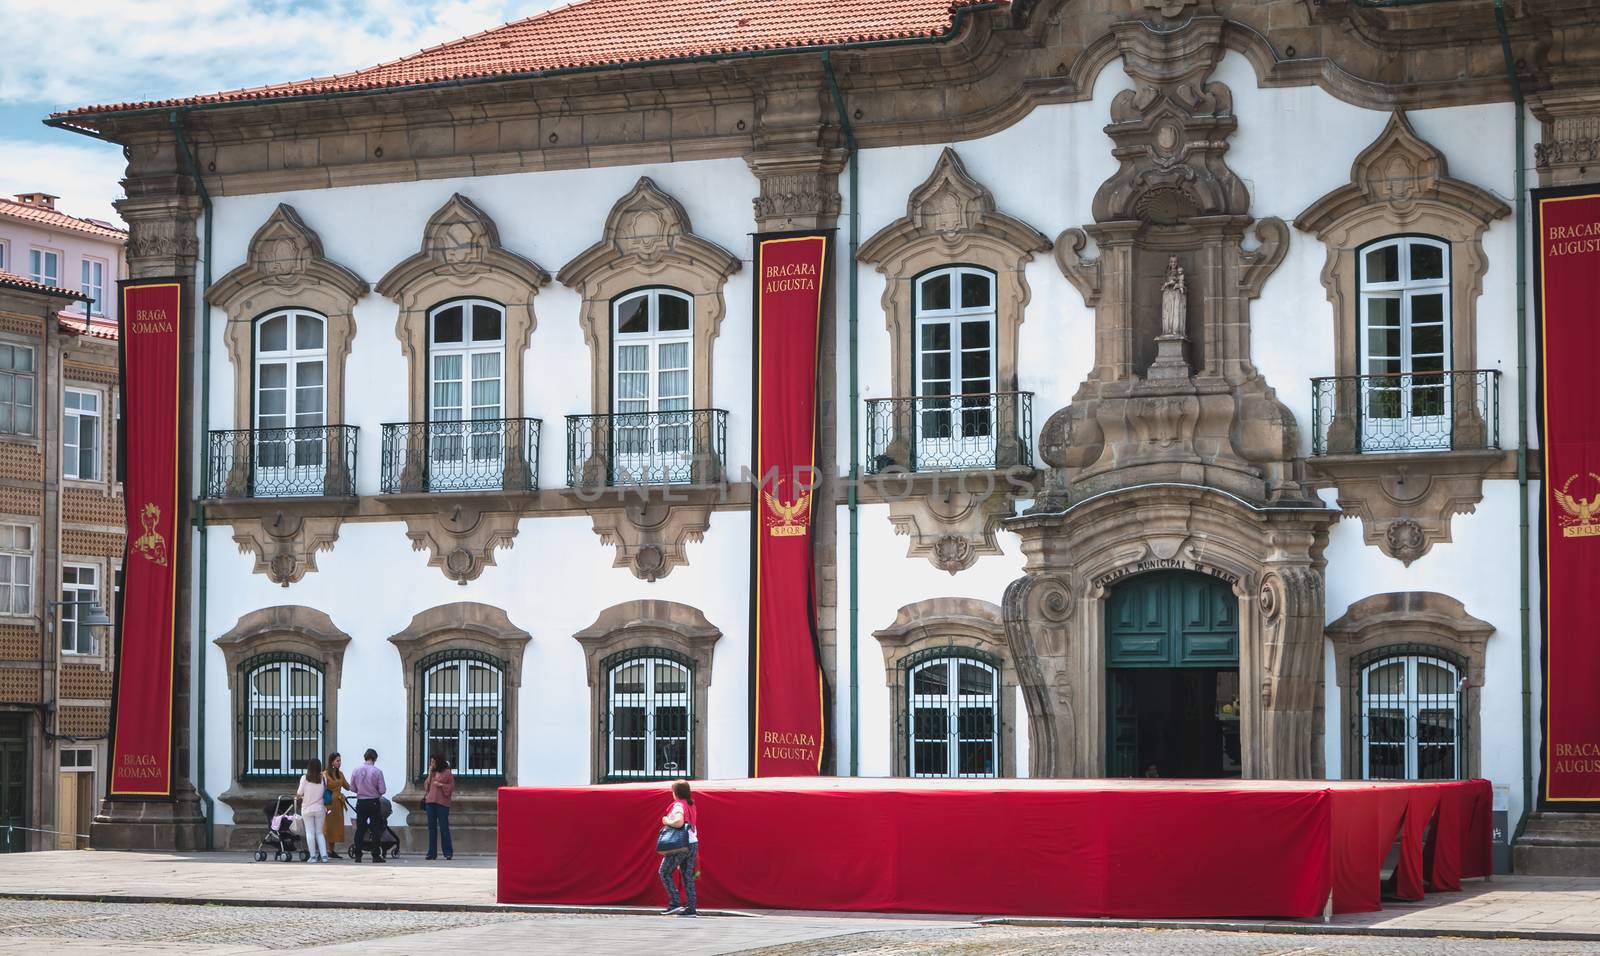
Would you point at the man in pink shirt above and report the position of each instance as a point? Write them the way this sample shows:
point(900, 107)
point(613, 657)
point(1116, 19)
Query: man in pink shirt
point(367, 780)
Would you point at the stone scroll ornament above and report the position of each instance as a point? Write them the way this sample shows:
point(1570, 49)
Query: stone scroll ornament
point(789, 693)
point(151, 382)
point(1568, 260)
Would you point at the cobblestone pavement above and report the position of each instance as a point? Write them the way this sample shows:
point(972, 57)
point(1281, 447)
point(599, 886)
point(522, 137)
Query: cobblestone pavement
point(1010, 941)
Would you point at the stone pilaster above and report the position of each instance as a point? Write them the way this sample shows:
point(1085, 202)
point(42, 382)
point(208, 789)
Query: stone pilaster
point(162, 211)
point(1568, 151)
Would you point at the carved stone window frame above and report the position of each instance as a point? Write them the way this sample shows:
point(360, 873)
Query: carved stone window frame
point(636, 625)
point(1401, 185)
point(963, 625)
point(461, 626)
point(285, 268)
point(461, 258)
point(647, 242)
point(951, 219)
point(1398, 618)
point(286, 629)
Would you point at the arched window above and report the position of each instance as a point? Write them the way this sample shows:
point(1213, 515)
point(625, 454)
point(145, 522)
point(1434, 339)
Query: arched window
point(1409, 713)
point(952, 717)
point(1405, 343)
point(291, 403)
point(652, 385)
point(649, 716)
point(466, 394)
point(954, 368)
point(283, 713)
point(462, 715)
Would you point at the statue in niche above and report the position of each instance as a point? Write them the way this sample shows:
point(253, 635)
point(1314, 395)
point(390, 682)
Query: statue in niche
point(1174, 301)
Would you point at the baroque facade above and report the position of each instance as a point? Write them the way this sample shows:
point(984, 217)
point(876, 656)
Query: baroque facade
point(1174, 345)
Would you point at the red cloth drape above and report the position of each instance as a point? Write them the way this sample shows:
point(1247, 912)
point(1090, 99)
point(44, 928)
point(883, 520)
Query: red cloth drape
point(1080, 848)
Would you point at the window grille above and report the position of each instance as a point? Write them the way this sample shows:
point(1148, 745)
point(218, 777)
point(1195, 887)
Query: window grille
point(950, 716)
point(282, 718)
point(1407, 718)
point(462, 714)
point(649, 719)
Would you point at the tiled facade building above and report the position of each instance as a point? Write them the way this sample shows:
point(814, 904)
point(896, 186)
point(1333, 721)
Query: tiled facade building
point(1176, 341)
point(61, 517)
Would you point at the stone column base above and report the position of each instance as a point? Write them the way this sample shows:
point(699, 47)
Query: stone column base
point(175, 824)
point(1559, 844)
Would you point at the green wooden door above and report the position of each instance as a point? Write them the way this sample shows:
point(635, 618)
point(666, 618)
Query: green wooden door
point(1122, 757)
point(1172, 619)
point(13, 794)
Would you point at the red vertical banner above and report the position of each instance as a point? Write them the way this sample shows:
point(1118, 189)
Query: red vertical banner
point(1568, 260)
point(151, 383)
point(788, 705)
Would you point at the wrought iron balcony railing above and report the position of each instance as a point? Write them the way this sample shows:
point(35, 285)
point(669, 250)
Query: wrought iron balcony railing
point(1406, 411)
point(483, 454)
point(950, 432)
point(646, 448)
point(310, 461)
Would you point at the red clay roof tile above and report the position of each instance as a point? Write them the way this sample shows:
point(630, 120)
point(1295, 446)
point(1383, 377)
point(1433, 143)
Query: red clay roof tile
point(10, 280)
point(55, 219)
point(597, 33)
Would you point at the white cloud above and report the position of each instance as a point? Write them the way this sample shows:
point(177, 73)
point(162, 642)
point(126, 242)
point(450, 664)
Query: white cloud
point(87, 177)
point(109, 51)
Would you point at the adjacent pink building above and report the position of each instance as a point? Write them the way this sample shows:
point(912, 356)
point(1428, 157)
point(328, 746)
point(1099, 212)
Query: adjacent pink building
point(48, 246)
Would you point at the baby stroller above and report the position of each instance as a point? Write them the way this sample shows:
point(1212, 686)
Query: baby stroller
point(285, 836)
point(388, 840)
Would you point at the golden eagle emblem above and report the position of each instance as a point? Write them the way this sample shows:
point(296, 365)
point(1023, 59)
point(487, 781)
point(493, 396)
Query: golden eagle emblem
point(151, 544)
point(788, 520)
point(1582, 518)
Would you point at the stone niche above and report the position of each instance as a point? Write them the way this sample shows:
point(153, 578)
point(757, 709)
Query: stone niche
point(1175, 453)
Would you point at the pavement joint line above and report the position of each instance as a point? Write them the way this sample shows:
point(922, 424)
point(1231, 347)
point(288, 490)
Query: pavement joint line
point(1302, 929)
point(532, 909)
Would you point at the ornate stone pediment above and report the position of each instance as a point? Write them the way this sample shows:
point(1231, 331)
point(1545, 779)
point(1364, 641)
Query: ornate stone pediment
point(651, 536)
point(462, 541)
point(286, 545)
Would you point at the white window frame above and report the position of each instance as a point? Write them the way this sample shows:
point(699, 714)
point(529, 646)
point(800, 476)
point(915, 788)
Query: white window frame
point(1416, 432)
point(5, 256)
point(1411, 706)
point(943, 420)
point(462, 699)
point(284, 706)
point(93, 285)
point(76, 639)
point(82, 759)
point(72, 433)
point(9, 558)
point(31, 378)
point(653, 442)
point(652, 701)
point(455, 445)
point(37, 271)
point(951, 703)
point(286, 463)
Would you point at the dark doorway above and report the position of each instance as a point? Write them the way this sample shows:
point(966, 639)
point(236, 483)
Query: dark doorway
point(1172, 677)
point(13, 783)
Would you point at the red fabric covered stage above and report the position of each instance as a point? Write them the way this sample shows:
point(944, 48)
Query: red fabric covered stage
point(1117, 848)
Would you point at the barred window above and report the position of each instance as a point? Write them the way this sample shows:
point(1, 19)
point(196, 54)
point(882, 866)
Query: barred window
point(462, 715)
point(649, 715)
point(283, 714)
point(952, 715)
point(1408, 713)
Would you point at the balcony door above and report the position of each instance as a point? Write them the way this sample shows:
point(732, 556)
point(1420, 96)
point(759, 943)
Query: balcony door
point(1405, 344)
point(466, 395)
point(291, 404)
point(955, 369)
point(651, 398)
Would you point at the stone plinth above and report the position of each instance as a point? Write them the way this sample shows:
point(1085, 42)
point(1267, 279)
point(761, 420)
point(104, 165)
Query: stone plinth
point(1559, 844)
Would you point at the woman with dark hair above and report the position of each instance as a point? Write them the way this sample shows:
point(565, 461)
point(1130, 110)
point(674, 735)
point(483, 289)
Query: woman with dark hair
point(313, 811)
point(681, 814)
point(436, 793)
point(333, 778)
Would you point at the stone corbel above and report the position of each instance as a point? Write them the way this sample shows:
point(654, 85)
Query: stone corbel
point(1084, 274)
point(652, 536)
point(952, 530)
point(1405, 506)
point(1258, 264)
point(286, 545)
point(462, 541)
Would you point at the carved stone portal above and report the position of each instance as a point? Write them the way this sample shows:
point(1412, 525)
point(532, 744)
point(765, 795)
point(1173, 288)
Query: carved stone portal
point(286, 545)
point(462, 541)
point(651, 536)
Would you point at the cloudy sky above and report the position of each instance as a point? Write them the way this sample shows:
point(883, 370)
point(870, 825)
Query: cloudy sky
point(85, 52)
